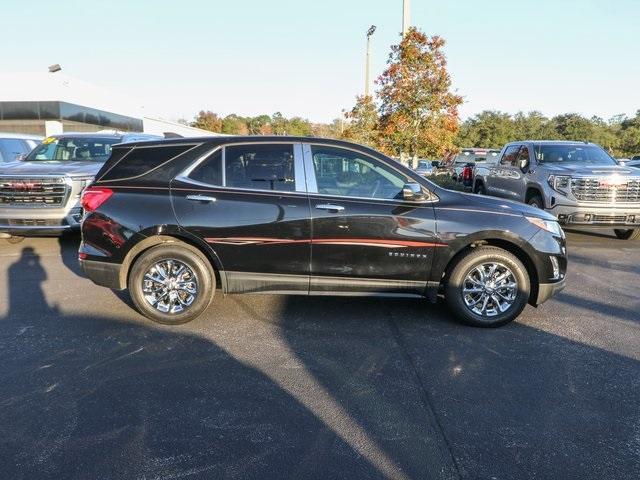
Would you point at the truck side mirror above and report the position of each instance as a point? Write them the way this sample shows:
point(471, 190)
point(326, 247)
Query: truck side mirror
point(524, 164)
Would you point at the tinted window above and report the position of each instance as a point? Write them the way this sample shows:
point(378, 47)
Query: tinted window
point(141, 160)
point(591, 154)
point(524, 154)
point(510, 155)
point(209, 171)
point(347, 173)
point(260, 166)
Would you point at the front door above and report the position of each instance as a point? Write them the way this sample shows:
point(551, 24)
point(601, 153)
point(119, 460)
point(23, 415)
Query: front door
point(498, 181)
point(248, 202)
point(514, 180)
point(366, 238)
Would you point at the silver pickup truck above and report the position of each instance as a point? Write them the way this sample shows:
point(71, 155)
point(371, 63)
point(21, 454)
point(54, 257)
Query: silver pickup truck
point(40, 194)
point(579, 183)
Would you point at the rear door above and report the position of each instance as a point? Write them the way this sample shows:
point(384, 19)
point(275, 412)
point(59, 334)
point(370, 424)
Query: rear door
point(248, 202)
point(366, 239)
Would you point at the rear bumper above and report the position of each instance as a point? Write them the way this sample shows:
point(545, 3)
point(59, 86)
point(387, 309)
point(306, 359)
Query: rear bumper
point(598, 216)
point(548, 290)
point(104, 274)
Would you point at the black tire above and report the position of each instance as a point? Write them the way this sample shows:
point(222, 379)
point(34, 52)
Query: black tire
point(536, 201)
point(633, 234)
point(480, 190)
point(464, 265)
point(187, 255)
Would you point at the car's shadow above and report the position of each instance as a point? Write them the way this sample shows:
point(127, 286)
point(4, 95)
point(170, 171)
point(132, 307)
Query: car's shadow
point(303, 387)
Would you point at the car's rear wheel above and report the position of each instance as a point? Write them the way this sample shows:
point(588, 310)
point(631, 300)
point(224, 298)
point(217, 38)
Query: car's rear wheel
point(171, 283)
point(479, 189)
point(633, 234)
point(487, 287)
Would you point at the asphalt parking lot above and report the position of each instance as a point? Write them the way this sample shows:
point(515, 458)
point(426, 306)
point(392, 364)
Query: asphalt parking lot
point(294, 387)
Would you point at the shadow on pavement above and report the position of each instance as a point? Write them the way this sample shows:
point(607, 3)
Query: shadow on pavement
point(391, 388)
point(95, 397)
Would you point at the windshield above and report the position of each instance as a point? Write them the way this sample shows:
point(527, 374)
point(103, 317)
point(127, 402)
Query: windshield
point(588, 154)
point(73, 149)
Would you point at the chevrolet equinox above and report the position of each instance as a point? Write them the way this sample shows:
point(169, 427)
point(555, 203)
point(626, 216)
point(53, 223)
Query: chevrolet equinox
point(175, 220)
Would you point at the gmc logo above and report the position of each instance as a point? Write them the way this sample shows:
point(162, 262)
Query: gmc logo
point(22, 186)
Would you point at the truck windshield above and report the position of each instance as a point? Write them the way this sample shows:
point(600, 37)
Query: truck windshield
point(588, 154)
point(74, 149)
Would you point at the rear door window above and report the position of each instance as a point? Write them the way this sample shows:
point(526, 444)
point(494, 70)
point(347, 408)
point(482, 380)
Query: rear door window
point(260, 167)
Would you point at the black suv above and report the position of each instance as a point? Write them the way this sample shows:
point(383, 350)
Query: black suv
point(175, 220)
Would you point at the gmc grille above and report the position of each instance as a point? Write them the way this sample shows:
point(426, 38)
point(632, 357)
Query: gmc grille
point(33, 191)
point(603, 190)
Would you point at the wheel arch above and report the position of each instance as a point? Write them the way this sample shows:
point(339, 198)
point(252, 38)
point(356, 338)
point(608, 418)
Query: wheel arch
point(172, 236)
point(510, 245)
point(532, 191)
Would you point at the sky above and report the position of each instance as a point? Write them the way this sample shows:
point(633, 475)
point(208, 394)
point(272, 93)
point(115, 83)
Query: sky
point(306, 57)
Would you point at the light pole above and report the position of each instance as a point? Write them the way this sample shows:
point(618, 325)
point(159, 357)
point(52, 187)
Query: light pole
point(370, 32)
point(406, 20)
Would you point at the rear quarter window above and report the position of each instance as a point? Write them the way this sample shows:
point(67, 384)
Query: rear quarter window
point(140, 160)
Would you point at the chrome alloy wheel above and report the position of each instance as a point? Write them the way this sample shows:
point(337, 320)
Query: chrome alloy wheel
point(489, 289)
point(170, 286)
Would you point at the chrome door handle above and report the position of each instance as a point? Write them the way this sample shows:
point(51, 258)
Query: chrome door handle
point(328, 206)
point(201, 198)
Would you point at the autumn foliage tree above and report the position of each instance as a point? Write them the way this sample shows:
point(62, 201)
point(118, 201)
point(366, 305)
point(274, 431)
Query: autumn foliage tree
point(208, 120)
point(418, 111)
point(363, 122)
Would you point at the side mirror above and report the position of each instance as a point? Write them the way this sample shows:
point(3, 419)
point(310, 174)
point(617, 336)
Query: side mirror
point(412, 192)
point(524, 164)
point(435, 163)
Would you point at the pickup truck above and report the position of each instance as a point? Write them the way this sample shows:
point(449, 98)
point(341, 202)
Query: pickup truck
point(40, 194)
point(578, 182)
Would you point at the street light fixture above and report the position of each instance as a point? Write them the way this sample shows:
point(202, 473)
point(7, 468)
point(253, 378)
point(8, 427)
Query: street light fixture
point(370, 32)
point(54, 68)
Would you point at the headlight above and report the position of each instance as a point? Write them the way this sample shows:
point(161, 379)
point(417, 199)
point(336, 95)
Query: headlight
point(560, 183)
point(550, 226)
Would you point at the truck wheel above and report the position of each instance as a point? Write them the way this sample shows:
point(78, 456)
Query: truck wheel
point(633, 234)
point(536, 201)
point(480, 190)
point(488, 287)
point(171, 283)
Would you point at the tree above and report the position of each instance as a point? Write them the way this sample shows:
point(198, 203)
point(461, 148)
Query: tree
point(418, 112)
point(258, 125)
point(363, 122)
point(234, 125)
point(208, 120)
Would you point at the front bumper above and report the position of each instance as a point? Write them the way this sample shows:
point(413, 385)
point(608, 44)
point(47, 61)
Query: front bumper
point(104, 273)
point(548, 290)
point(27, 222)
point(598, 216)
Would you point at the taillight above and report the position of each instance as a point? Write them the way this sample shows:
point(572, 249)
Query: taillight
point(466, 173)
point(93, 197)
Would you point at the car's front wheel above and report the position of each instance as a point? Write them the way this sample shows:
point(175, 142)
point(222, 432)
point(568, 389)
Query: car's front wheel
point(633, 234)
point(171, 283)
point(487, 287)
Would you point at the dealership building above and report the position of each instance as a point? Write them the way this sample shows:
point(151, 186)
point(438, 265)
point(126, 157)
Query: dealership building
point(51, 103)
